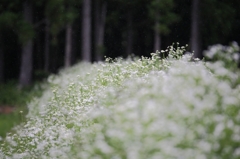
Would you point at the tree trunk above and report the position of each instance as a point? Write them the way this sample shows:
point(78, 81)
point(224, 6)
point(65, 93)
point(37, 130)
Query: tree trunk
point(195, 38)
point(68, 46)
point(96, 28)
point(86, 31)
point(129, 49)
point(100, 16)
point(157, 36)
point(74, 43)
point(46, 46)
point(26, 58)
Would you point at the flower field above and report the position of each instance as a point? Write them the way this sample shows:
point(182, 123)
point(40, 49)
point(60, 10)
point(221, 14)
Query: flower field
point(142, 108)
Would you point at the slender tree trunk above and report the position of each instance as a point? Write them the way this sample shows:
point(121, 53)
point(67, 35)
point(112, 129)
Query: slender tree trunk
point(100, 16)
point(157, 41)
point(68, 46)
point(195, 38)
point(74, 43)
point(96, 28)
point(101, 32)
point(26, 59)
point(46, 46)
point(86, 31)
point(157, 36)
point(129, 49)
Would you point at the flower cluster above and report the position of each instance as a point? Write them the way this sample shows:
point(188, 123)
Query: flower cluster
point(152, 107)
point(228, 55)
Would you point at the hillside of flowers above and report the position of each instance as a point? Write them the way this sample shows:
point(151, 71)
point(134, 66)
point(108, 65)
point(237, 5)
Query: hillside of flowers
point(167, 106)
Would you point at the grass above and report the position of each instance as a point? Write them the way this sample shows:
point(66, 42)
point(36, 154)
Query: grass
point(135, 109)
point(13, 105)
point(8, 121)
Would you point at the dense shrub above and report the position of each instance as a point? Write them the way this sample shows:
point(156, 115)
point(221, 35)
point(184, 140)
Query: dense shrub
point(146, 108)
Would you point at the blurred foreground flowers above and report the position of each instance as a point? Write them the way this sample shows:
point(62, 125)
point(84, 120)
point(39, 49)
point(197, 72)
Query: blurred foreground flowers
point(146, 108)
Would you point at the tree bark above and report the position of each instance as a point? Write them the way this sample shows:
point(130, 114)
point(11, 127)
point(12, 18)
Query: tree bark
point(100, 16)
point(129, 49)
point(86, 31)
point(157, 36)
point(195, 38)
point(68, 46)
point(74, 43)
point(26, 58)
point(46, 46)
point(96, 28)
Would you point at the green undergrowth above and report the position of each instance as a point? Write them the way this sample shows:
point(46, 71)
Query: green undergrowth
point(13, 105)
point(166, 106)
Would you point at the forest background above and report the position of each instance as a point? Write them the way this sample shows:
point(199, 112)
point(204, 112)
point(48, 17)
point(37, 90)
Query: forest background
point(40, 37)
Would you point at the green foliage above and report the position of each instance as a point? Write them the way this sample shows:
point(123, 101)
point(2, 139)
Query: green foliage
point(12, 18)
point(40, 75)
point(25, 31)
point(218, 13)
point(162, 11)
point(55, 12)
point(8, 121)
point(60, 12)
point(8, 19)
point(11, 95)
point(15, 99)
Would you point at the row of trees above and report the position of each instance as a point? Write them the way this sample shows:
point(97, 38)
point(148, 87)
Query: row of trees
point(41, 36)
